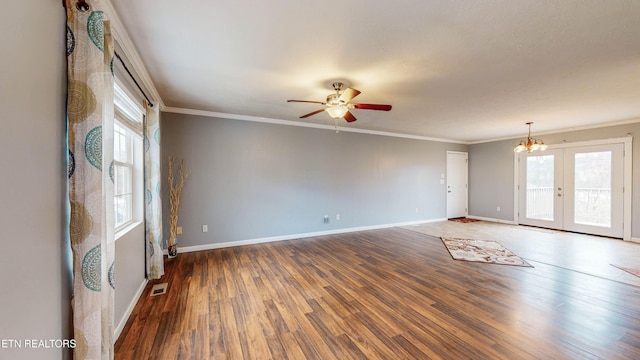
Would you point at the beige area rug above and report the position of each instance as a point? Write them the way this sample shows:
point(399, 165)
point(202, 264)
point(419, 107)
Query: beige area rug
point(485, 251)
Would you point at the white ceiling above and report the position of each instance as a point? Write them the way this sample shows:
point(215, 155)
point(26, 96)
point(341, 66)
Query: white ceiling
point(461, 70)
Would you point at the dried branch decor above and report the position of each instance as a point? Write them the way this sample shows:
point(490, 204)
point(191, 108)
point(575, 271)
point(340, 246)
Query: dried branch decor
point(175, 189)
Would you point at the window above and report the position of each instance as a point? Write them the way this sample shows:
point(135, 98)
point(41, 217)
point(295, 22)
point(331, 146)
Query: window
point(127, 160)
point(123, 175)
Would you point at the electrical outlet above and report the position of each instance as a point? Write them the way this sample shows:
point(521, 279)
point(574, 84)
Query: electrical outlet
point(498, 208)
point(337, 216)
point(326, 219)
point(179, 230)
point(205, 228)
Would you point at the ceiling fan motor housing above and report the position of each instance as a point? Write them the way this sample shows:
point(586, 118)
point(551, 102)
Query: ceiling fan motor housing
point(334, 99)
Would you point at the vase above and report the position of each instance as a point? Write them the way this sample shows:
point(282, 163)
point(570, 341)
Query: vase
point(172, 248)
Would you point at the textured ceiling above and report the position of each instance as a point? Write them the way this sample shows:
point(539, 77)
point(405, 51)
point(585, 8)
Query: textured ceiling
point(460, 70)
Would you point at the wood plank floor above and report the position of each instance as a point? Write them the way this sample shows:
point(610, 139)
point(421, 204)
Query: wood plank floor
point(588, 254)
point(380, 294)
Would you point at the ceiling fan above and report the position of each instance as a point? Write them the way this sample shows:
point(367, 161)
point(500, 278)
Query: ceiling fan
point(339, 104)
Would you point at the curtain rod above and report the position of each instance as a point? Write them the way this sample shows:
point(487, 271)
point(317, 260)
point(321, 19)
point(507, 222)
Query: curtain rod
point(133, 78)
point(80, 5)
point(83, 6)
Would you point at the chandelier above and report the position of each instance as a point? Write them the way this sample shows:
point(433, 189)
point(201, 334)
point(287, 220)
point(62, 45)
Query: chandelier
point(530, 145)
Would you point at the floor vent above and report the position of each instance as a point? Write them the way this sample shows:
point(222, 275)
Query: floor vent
point(159, 289)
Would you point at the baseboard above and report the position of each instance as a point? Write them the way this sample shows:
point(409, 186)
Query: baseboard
point(635, 240)
point(298, 236)
point(491, 219)
point(127, 313)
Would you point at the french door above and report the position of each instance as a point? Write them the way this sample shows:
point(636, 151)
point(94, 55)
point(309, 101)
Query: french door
point(575, 188)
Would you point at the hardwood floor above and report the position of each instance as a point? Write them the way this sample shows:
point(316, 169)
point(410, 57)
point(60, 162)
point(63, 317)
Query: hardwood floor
point(588, 254)
point(380, 294)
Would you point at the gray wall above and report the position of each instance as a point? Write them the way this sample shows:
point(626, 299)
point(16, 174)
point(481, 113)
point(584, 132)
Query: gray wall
point(491, 171)
point(491, 180)
point(130, 271)
point(34, 263)
point(253, 180)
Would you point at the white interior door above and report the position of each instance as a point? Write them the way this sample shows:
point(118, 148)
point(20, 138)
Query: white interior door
point(457, 179)
point(576, 189)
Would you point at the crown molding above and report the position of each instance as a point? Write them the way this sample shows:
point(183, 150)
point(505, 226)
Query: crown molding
point(122, 37)
point(213, 114)
point(563, 130)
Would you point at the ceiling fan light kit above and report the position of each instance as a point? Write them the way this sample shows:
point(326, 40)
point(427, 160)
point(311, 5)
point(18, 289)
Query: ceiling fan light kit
point(338, 105)
point(337, 111)
point(531, 144)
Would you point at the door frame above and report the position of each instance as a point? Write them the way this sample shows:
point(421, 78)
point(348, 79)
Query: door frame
point(627, 182)
point(558, 214)
point(466, 180)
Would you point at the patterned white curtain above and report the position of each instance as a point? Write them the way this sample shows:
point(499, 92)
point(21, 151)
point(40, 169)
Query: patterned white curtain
point(90, 178)
point(153, 209)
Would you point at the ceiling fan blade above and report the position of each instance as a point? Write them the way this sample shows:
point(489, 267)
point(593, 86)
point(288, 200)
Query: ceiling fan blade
point(349, 117)
point(308, 101)
point(372, 107)
point(348, 94)
point(311, 113)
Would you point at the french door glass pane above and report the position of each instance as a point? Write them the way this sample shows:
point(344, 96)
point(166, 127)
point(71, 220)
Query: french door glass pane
point(540, 182)
point(593, 188)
